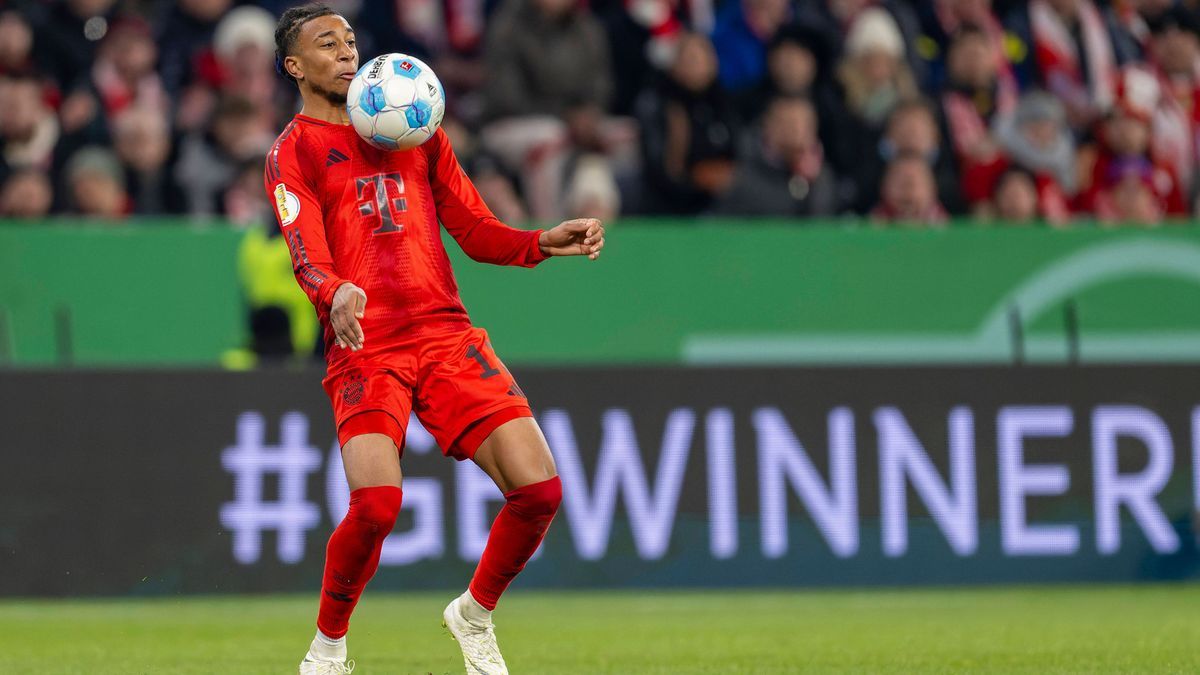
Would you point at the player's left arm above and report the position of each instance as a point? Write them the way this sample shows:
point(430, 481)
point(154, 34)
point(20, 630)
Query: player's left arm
point(482, 236)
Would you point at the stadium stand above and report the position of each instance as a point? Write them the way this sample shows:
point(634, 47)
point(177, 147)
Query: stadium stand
point(1081, 110)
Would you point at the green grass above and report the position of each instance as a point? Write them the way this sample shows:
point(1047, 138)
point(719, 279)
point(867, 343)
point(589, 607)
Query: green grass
point(1126, 629)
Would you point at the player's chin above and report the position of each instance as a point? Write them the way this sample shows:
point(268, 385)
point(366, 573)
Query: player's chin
point(336, 93)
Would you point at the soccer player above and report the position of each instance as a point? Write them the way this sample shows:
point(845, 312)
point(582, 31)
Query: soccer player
point(362, 228)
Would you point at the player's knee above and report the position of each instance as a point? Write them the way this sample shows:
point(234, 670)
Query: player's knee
point(377, 506)
point(538, 499)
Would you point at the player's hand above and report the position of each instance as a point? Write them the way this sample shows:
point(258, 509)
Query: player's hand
point(349, 305)
point(582, 236)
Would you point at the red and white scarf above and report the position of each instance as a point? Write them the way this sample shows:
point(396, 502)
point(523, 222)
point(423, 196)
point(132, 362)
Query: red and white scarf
point(1176, 124)
point(967, 127)
point(1057, 55)
point(1175, 139)
point(1154, 97)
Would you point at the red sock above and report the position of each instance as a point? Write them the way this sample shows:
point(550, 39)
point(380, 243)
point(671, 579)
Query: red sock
point(353, 554)
point(515, 535)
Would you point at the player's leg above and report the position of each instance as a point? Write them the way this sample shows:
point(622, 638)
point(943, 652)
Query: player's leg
point(470, 403)
point(371, 408)
point(518, 459)
point(372, 466)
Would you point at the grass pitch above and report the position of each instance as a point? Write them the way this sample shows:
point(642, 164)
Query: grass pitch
point(1093, 629)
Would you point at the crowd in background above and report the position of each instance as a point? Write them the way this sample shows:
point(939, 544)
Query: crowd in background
point(900, 111)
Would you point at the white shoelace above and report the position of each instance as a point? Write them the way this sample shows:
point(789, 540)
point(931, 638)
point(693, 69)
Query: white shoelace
point(332, 668)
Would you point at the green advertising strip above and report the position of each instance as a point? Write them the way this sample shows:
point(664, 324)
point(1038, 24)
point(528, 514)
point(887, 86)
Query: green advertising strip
point(664, 292)
point(155, 294)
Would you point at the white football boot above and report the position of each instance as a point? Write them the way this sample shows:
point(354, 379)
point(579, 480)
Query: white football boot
point(471, 625)
point(323, 659)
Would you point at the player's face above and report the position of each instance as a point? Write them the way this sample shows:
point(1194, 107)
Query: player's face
point(327, 57)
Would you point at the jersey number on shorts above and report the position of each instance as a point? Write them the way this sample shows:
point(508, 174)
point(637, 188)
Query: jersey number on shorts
point(488, 370)
point(382, 197)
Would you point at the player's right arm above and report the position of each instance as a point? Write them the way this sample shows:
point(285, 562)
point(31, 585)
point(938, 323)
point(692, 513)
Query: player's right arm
point(298, 212)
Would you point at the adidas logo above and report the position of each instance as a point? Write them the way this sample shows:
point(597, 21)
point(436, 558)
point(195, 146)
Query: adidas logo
point(334, 157)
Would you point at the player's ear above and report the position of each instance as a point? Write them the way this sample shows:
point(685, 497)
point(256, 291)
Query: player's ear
point(292, 65)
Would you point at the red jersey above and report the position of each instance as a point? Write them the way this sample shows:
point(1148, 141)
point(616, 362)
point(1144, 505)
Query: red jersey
point(351, 212)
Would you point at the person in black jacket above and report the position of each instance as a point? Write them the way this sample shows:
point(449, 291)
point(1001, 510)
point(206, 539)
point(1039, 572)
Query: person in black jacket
point(688, 132)
point(786, 175)
point(912, 128)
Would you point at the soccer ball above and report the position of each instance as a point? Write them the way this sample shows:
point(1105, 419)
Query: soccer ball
point(395, 102)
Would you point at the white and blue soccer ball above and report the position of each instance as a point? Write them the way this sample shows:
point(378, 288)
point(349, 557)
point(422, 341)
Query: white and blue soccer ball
point(395, 102)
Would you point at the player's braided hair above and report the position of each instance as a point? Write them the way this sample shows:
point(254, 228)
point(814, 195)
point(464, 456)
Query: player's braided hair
point(288, 29)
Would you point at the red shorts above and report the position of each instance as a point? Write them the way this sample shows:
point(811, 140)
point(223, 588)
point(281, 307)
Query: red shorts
point(454, 381)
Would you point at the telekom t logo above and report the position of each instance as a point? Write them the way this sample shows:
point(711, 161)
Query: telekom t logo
point(382, 196)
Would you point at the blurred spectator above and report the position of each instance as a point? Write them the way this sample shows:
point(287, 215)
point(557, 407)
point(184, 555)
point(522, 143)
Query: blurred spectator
point(28, 129)
point(592, 192)
point(642, 37)
point(912, 130)
point(208, 161)
point(788, 176)
point(549, 63)
point(977, 91)
point(545, 57)
point(143, 144)
point(65, 41)
point(975, 77)
point(1175, 51)
point(688, 132)
point(188, 65)
point(797, 59)
point(65, 46)
point(1122, 155)
point(1014, 199)
point(186, 36)
point(16, 44)
point(96, 184)
point(909, 194)
point(244, 44)
point(836, 18)
point(1069, 50)
point(873, 78)
point(465, 143)
point(124, 75)
point(1035, 137)
point(794, 61)
point(498, 190)
point(190, 112)
point(1132, 24)
point(833, 16)
point(1128, 194)
point(742, 32)
point(281, 323)
point(26, 194)
point(494, 183)
point(280, 318)
point(244, 203)
point(942, 22)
